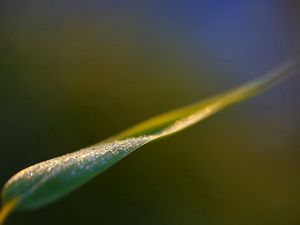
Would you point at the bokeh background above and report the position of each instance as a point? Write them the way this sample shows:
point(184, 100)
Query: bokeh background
point(75, 72)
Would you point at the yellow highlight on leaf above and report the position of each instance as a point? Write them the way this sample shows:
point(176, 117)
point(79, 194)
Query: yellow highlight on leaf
point(7, 209)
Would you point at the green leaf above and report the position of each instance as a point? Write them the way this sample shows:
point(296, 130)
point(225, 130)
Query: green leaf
point(50, 180)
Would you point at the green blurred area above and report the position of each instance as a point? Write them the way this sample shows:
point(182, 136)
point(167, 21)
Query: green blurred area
point(70, 82)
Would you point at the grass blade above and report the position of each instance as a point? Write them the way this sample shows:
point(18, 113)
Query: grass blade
point(48, 181)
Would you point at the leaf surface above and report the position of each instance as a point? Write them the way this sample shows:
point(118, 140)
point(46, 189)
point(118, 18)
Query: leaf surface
point(48, 181)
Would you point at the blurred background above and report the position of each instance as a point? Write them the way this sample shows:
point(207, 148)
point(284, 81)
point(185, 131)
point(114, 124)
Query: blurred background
point(75, 72)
